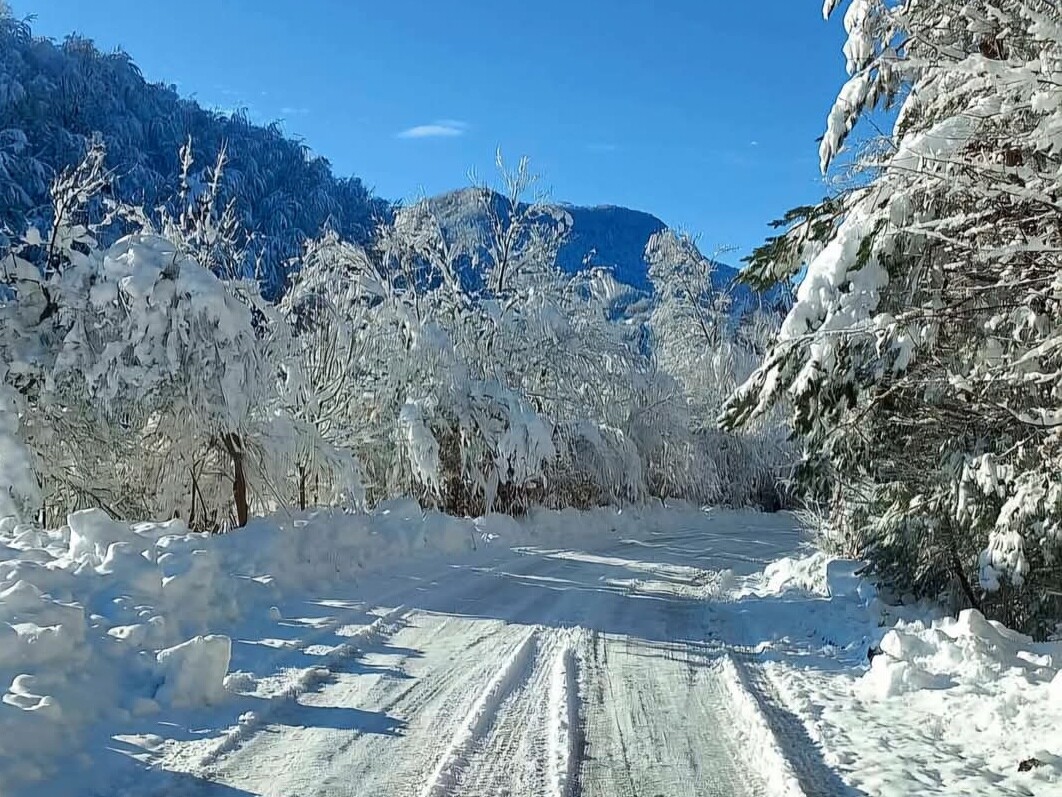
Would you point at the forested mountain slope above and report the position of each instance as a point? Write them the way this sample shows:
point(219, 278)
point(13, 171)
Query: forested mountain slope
point(55, 97)
point(604, 235)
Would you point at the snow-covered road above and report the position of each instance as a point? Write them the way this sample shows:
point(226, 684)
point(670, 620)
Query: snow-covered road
point(541, 672)
point(655, 652)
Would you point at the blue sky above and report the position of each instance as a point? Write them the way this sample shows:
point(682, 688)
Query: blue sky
point(703, 113)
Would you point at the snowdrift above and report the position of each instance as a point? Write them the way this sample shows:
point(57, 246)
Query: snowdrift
point(900, 699)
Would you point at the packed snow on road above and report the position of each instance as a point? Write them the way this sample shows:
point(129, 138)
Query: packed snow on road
point(668, 651)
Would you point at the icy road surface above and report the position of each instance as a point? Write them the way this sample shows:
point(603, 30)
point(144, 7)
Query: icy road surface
point(526, 671)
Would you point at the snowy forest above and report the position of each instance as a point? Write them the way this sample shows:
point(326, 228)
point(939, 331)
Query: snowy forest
point(142, 336)
point(199, 321)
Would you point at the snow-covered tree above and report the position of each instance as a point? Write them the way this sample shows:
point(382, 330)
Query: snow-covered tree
point(145, 372)
point(146, 383)
point(64, 445)
point(923, 356)
point(329, 310)
point(465, 425)
point(708, 350)
point(19, 491)
point(692, 325)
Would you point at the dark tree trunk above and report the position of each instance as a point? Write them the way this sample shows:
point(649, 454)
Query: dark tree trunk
point(302, 488)
point(191, 513)
point(960, 575)
point(234, 446)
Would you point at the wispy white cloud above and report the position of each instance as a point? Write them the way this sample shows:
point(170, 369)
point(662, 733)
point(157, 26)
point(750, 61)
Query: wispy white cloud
point(441, 128)
point(228, 100)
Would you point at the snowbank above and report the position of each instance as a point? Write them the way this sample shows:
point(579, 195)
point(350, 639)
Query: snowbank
point(193, 673)
point(898, 699)
point(802, 574)
point(970, 649)
point(102, 620)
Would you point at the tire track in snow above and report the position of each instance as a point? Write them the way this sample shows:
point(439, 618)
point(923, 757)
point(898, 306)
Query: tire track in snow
point(797, 769)
point(656, 715)
point(512, 756)
point(532, 744)
point(770, 729)
point(444, 780)
point(421, 692)
point(602, 702)
point(427, 685)
point(565, 731)
point(308, 680)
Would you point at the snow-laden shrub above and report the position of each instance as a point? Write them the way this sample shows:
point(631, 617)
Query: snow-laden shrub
point(147, 384)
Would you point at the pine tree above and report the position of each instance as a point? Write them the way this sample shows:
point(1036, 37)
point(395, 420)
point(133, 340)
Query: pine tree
point(923, 356)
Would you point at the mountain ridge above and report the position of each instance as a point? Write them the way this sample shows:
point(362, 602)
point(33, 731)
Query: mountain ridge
point(57, 98)
point(608, 235)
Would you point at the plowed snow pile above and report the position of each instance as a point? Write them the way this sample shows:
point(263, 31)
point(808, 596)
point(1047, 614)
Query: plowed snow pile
point(945, 706)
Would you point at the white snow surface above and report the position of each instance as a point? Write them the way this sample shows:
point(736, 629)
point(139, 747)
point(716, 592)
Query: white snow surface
point(193, 672)
point(647, 651)
point(949, 706)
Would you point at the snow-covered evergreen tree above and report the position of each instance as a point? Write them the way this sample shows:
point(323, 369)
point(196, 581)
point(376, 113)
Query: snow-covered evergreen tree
point(923, 354)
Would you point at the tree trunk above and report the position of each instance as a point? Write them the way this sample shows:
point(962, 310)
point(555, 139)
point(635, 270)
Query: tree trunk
point(302, 488)
point(960, 575)
point(191, 513)
point(234, 446)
